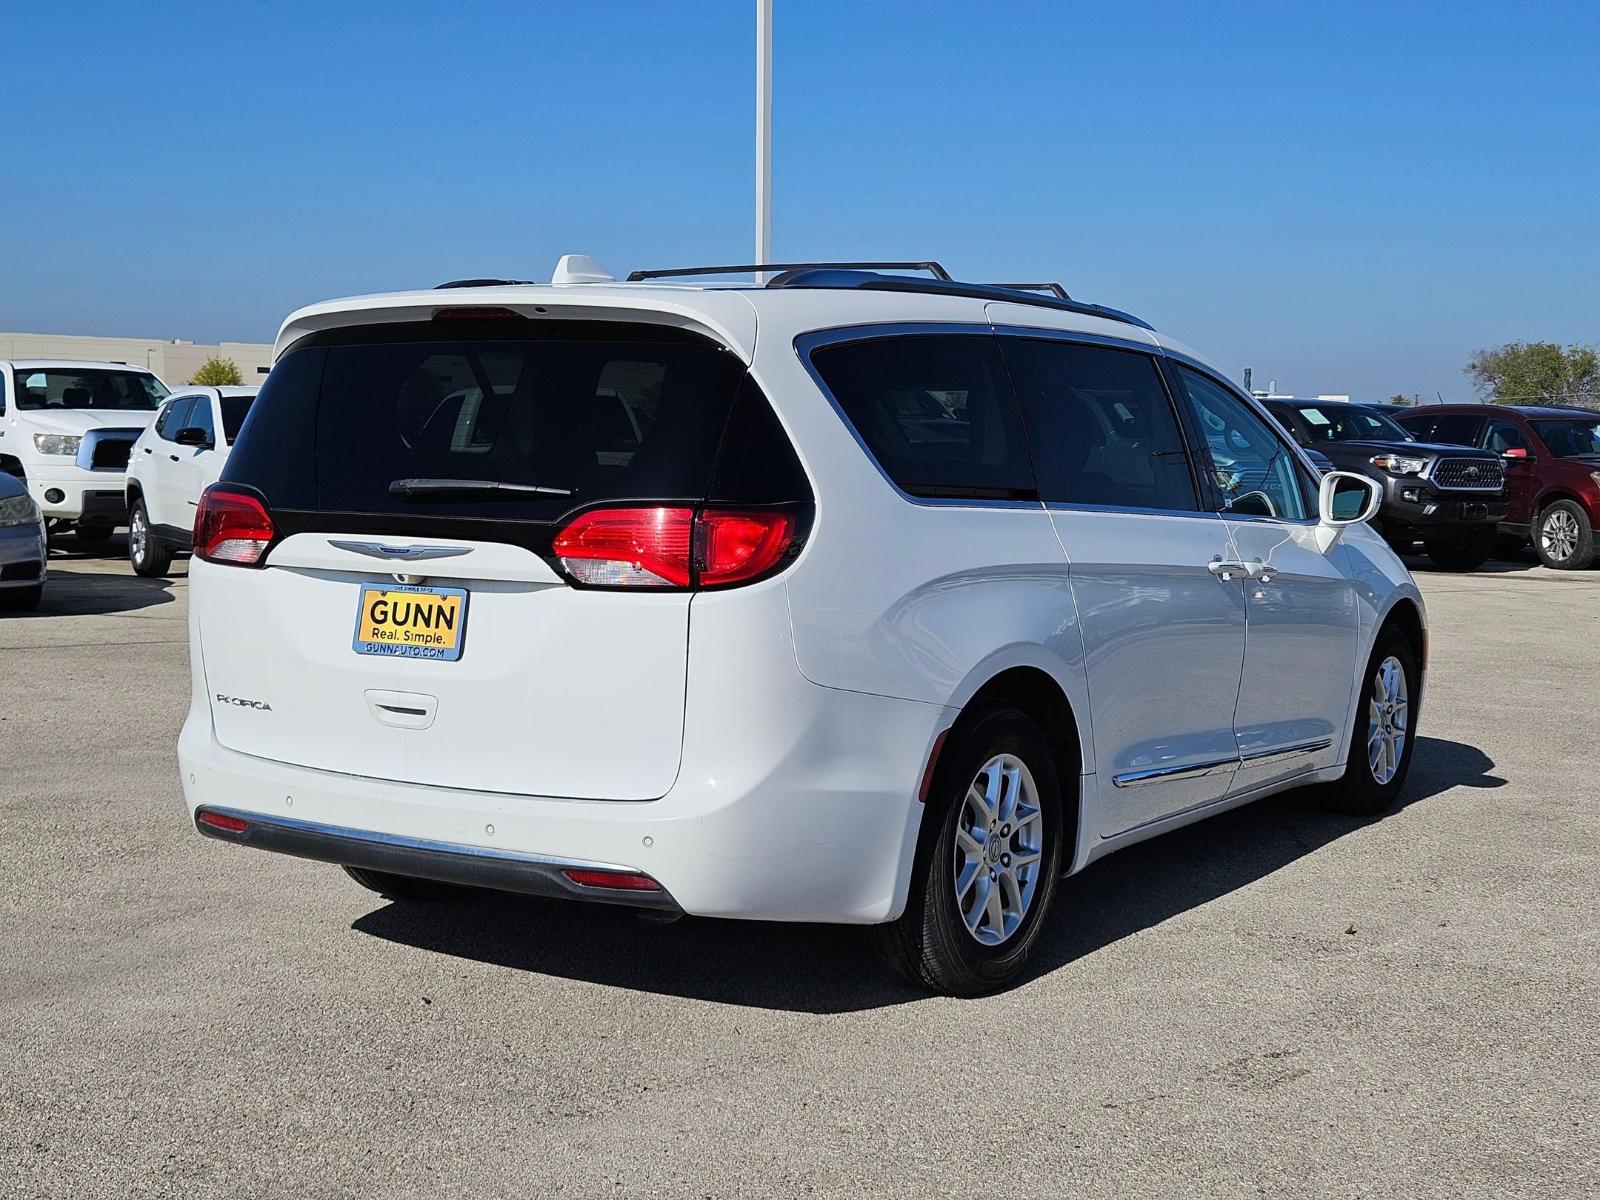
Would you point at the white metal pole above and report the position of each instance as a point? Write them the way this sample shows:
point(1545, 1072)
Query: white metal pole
point(763, 133)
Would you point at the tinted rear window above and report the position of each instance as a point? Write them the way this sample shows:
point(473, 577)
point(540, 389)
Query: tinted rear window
point(234, 411)
point(936, 411)
point(595, 413)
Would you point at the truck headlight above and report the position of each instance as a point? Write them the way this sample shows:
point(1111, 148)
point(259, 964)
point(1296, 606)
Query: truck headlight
point(1399, 464)
point(57, 443)
point(18, 510)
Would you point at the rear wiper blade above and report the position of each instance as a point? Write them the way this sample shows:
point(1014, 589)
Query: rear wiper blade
point(469, 489)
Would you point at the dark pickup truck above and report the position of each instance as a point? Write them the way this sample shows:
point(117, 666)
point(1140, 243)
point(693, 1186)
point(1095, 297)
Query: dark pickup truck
point(1450, 498)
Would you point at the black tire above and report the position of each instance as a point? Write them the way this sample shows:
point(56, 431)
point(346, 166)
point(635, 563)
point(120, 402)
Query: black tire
point(403, 887)
point(930, 944)
point(1461, 549)
point(1563, 537)
point(21, 599)
point(1359, 792)
point(148, 557)
point(93, 535)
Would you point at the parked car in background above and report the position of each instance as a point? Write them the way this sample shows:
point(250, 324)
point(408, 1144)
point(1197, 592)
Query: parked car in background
point(798, 647)
point(22, 547)
point(66, 429)
point(1449, 498)
point(177, 458)
point(1552, 463)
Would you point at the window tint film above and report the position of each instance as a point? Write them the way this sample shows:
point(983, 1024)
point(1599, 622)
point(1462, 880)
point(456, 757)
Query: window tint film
point(172, 418)
point(1250, 464)
point(1501, 436)
point(1101, 426)
point(1456, 429)
point(234, 410)
point(1577, 437)
point(935, 410)
point(585, 412)
point(200, 417)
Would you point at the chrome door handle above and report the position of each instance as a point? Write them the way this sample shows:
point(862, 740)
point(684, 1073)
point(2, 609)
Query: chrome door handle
point(1226, 570)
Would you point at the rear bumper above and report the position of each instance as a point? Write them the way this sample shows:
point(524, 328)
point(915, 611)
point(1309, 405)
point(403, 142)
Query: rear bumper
point(471, 866)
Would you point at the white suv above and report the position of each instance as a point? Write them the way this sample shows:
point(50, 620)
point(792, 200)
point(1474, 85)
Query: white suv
point(854, 597)
point(177, 458)
point(66, 429)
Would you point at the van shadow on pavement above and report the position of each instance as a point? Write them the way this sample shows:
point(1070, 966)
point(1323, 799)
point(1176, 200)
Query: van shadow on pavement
point(828, 968)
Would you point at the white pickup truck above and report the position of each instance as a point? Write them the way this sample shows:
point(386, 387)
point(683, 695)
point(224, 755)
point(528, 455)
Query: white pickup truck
point(66, 430)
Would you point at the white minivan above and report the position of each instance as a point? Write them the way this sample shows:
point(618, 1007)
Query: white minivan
point(180, 455)
point(849, 597)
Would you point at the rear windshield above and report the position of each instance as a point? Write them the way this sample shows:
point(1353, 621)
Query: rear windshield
point(570, 414)
point(234, 410)
point(88, 388)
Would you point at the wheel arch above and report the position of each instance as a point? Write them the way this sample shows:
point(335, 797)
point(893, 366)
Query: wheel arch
point(1555, 495)
point(1038, 693)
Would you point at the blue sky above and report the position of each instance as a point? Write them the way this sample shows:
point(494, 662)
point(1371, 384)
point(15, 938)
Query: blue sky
point(1347, 198)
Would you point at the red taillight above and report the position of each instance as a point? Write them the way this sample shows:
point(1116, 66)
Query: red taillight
point(734, 546)
point(621, 881)
point(628, 547)
point(651, 547)
point(222, 821)
point(231, 526)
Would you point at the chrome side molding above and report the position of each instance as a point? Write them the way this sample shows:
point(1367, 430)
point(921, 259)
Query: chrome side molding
point(1198, 770)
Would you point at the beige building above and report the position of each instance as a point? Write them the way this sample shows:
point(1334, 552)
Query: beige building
point(174, 361)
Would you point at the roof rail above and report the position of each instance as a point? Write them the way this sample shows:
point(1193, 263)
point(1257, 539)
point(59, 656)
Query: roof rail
point(828, 277)
point(471, 283)
point(933, 268)
point(1055, 289)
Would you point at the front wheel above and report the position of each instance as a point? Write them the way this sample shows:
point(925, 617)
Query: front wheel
point(1385, 729)
point(1563, 537)
point(1461, 549)
point(987, 860)
point(148, 557)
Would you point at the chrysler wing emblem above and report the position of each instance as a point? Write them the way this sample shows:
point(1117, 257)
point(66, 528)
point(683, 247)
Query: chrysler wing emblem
point(404, 553)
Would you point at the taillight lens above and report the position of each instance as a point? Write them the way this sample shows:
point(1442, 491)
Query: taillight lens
point(231, 527)
point(663, 547)
point(731, 547)
point(628, 547)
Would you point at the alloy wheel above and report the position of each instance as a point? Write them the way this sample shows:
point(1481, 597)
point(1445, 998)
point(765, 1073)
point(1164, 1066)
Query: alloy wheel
point(137, 534)
point(1388, 720)
point(1559, 535)
point(999, 848)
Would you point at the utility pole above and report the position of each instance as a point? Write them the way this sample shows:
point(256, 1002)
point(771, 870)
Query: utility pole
point(763, 134)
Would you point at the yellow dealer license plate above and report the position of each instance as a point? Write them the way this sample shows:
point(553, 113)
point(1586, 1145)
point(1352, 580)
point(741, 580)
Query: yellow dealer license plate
point(411, 622)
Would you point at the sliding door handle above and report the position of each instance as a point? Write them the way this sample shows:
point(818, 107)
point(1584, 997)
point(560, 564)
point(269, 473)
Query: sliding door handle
point(1227, 570)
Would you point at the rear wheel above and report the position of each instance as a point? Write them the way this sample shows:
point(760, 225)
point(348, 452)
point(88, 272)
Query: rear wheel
point(148, 556)
point(403, 887)
point(1563, 537)
point(21, 599)
point(1461, 549)
point(987, 860)
point(1385, 730)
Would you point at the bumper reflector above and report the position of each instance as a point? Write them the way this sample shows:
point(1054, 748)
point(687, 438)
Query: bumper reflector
point(221, 821)
point(622, 881)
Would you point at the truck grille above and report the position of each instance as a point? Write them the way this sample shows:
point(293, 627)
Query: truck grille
point(1469, 474)
point(111, 454)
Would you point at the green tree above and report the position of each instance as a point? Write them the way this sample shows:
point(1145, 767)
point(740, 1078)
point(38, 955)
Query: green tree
point(218, 372)
point(1536, 373)
point(1399, 398)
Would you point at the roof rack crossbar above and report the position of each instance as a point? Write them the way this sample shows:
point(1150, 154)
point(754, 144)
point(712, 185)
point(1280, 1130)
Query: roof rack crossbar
point(933, 268)
point(1055, 289)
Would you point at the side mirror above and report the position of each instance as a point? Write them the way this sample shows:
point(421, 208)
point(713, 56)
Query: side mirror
point(1515, 454)
point(1344, 499)
point(193, 435)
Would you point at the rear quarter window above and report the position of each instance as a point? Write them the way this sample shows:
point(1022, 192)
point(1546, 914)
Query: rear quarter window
point(936, 411)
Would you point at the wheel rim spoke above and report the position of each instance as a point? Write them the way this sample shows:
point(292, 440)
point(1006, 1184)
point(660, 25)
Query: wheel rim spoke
point(999, 846)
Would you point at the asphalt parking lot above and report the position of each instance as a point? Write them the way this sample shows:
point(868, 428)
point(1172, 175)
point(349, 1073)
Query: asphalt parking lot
point(1277, 1002)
